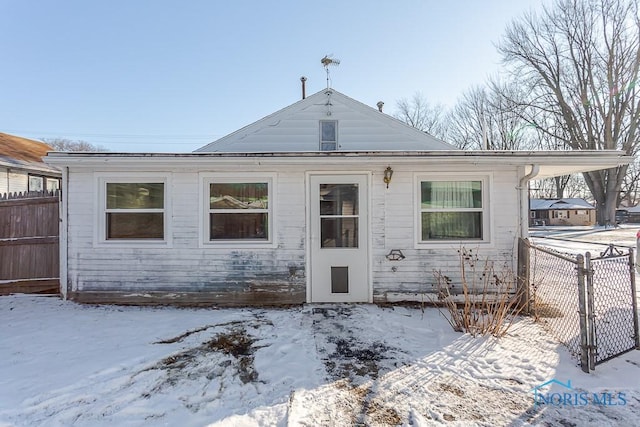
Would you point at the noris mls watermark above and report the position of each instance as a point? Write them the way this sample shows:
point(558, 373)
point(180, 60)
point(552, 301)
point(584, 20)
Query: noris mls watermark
point(568, 396)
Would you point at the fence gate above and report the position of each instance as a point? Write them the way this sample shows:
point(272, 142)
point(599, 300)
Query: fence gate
point(29, 260)
point(588, 304)
point(612, 305)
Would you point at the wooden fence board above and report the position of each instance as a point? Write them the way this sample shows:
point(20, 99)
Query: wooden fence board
point(42, 286)
point(29, 245)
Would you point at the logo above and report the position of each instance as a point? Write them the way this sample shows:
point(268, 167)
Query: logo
point(568, 396)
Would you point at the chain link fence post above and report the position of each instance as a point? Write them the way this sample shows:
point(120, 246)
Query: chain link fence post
point(582, 307)
point(634, 300)
point(591, 313)
point(524, 263)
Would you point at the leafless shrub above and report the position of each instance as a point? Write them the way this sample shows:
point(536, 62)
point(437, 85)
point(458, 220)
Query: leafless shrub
point(489, 298)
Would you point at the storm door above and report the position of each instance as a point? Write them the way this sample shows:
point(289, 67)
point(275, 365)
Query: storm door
point(339, 238)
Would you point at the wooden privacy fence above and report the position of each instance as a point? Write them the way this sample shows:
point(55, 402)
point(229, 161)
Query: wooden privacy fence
point(29, 251)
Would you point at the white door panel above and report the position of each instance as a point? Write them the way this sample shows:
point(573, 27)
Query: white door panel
point(339, 238)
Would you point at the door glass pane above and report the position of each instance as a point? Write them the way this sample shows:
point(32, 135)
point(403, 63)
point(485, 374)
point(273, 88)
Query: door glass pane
point(339, 232)
point(338, 199)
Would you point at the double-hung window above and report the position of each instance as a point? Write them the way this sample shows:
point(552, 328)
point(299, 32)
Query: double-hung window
point(238, 210)
point(133, 210)
point(453, 210)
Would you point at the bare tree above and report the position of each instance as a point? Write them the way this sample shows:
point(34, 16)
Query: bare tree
point(63, 144)
point(555, 140)
point(553, 188)
point(571, 186)
point(483, 119)
point(579, 61)
point(630, 189)
point(418, 113)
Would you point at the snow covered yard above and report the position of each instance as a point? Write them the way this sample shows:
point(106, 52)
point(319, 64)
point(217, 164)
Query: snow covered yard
point(68, 364)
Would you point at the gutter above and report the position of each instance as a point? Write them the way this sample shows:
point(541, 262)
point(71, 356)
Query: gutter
point(524, 199)
point(576, 161)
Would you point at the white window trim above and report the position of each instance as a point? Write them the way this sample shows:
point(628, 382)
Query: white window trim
point(206, 178)
point(487, 209)
point(100, 229)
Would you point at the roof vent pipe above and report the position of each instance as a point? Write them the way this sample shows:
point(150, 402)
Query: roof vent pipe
point(303, 79)
point(380, 104)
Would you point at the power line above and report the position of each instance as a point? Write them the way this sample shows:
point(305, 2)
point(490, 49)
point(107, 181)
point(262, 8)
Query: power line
point(117, 136)
point(100, 142)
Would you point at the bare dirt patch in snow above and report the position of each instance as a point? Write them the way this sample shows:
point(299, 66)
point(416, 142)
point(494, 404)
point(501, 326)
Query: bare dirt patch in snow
point(353, 363)
point(344, 353)
point(222, 359)
point(233, 342)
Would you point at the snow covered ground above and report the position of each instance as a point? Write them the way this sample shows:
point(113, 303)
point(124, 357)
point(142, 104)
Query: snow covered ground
point(65, 364)
point(582, 239)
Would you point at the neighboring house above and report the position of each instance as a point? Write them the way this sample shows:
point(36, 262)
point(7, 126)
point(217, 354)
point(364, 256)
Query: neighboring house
point(568, 211)
point(326, 200)
point(21, 166)
point(628, 214)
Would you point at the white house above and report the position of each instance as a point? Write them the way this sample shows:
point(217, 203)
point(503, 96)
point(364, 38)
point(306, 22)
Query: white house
point(326, 200)
point(21, 167)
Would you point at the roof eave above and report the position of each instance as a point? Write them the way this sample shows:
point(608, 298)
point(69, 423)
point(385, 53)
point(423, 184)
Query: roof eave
point(552, 163)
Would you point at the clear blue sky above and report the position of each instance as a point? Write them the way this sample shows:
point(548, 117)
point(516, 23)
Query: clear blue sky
point(171, 76)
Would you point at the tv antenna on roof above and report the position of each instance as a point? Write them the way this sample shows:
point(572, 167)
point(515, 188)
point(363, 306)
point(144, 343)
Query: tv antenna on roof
point(326, 61)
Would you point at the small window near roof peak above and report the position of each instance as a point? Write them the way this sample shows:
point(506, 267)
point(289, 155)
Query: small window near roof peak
point(328, 135)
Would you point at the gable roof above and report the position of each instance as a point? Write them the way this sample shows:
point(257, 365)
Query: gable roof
point(296, 129)
point(22, 153)
point(559, 204)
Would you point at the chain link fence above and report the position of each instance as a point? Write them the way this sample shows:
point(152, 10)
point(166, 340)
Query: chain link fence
point(587, 303)
point(611, 305)
point(553, 302)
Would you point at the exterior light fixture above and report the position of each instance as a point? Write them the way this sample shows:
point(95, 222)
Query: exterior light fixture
point(388, 173)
